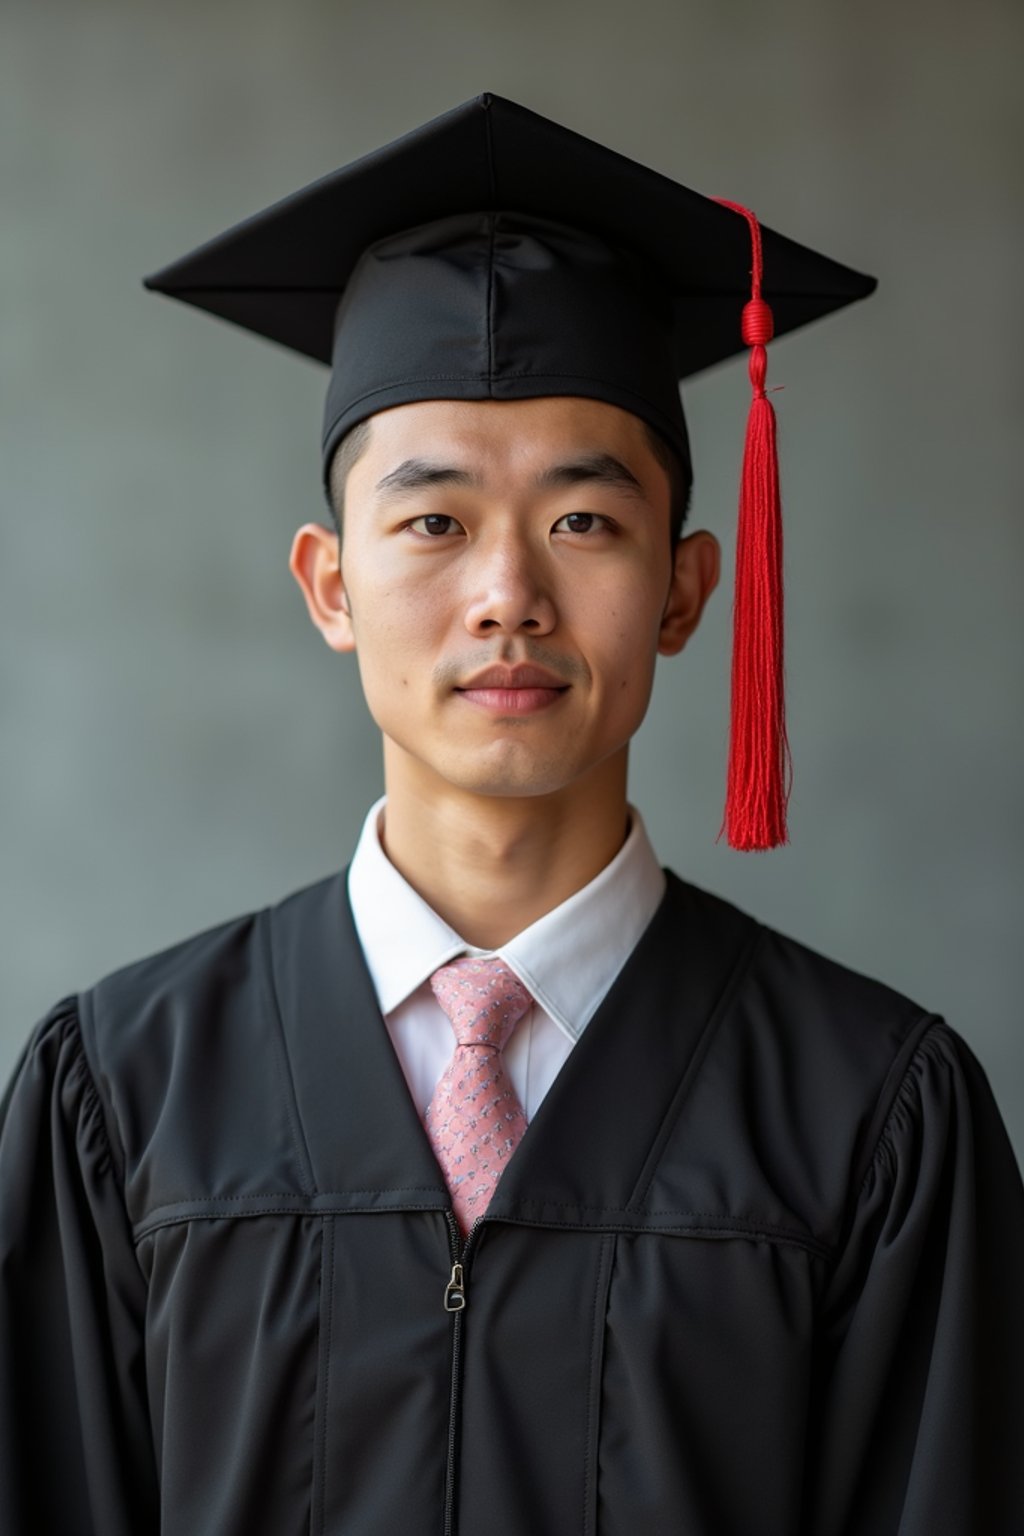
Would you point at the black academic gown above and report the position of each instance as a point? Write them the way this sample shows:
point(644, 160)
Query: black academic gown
point(756, 1268)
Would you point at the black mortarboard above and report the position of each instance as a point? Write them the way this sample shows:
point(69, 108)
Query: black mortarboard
point(493, 254)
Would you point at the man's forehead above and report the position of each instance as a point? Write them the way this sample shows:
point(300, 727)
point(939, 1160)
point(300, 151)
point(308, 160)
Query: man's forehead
point(518, 435)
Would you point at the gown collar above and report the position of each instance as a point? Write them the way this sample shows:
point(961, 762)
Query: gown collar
point(589, 1153)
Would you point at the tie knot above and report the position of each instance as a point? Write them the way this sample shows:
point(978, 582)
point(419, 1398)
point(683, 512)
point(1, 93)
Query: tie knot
point(484, 1000)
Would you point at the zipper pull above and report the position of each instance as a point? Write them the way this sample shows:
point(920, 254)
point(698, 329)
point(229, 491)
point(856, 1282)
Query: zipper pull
point(455, 1291)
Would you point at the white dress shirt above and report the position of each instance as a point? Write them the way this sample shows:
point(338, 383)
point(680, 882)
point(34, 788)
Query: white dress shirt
point(567, 960)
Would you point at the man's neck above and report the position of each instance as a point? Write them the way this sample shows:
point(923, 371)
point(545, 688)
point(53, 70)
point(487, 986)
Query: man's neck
point(491, 866)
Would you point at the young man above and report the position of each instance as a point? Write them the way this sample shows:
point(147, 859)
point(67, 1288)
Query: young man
point(505, 1183)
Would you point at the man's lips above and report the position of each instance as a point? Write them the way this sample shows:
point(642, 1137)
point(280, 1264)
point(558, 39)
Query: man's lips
point(513, 677)
point(513, 690)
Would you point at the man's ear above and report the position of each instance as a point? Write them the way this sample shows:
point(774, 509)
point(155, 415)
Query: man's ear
point(315, 562)
point(696, 566)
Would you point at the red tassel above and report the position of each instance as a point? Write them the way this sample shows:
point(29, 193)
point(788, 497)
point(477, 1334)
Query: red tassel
point(760, 768)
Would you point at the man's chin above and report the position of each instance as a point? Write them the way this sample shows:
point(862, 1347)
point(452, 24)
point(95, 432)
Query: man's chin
point(510, 773)
point(509, 784)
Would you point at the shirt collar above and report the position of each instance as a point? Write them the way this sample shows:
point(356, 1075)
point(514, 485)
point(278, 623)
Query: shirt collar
point(567, 959)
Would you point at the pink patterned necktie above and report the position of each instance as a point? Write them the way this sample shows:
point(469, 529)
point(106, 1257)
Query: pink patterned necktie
point(474, 1119)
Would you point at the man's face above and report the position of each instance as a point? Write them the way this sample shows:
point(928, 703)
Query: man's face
point(507, 580)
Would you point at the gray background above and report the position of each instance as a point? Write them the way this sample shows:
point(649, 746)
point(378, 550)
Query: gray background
point(177, 743)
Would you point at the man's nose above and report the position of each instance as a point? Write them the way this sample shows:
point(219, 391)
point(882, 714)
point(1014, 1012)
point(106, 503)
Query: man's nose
point(509, 591)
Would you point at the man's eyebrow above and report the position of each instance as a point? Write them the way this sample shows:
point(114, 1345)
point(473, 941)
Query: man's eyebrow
point(603, 468)
point(418, 475)
point(590, 468)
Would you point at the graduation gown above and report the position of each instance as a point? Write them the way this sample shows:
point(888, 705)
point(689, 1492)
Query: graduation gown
point(757, 1265)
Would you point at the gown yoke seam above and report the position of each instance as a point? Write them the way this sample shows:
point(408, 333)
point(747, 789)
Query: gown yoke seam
point(698, 1224)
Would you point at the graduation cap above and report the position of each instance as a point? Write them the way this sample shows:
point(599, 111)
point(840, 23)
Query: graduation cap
point(493, 254)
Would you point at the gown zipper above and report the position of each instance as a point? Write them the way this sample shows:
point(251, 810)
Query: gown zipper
point(455, 1303)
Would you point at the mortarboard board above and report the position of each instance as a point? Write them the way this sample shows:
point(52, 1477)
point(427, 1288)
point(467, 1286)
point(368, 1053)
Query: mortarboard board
point(494, 254)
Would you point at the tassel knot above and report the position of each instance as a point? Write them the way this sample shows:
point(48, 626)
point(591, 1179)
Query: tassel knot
point(757, 323)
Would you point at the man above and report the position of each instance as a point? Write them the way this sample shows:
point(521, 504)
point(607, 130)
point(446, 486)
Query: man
point(505, 1183)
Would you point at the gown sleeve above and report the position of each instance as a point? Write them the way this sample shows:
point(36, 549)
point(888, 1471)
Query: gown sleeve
point(75, 1449)
point(918, 1423)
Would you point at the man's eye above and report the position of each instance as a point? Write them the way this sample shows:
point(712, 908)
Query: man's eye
point(580, 522)
point(434, 523)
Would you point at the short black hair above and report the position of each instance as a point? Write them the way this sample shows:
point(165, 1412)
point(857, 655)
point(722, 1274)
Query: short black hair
point(680, 481)
point(349, 449)
point(352, 445)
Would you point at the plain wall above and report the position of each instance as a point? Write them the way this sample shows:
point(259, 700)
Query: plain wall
point(177, 743)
